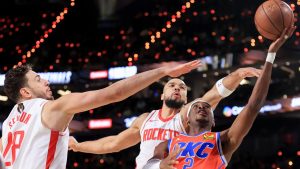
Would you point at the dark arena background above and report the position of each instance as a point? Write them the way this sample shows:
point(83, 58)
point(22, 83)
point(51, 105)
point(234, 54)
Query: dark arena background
point(81, 45)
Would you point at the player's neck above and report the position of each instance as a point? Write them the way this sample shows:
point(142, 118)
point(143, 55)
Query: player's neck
point(167, 111)
point(196, 130)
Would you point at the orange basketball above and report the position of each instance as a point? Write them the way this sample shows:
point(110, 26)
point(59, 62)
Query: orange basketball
point(272, 17)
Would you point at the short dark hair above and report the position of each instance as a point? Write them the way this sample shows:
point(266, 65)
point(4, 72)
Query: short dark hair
point(15, 79)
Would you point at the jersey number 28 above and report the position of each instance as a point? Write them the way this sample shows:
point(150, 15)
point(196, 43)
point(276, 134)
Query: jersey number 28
point(14, 141)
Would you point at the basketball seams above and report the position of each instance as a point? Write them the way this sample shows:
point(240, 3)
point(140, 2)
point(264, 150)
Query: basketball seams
point(270, 19)
point(292, 18)
point(260, 27)
point(282, 17)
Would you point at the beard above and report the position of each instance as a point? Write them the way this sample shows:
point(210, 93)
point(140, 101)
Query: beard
point(174, 104)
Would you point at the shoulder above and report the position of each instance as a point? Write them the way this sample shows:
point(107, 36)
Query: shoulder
point(138, 122)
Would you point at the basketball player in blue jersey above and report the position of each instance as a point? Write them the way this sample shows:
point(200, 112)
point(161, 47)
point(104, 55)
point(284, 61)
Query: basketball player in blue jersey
point(202, 148)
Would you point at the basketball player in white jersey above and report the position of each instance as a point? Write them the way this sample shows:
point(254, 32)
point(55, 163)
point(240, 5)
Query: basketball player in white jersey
point(159, 125)
point(35, 134)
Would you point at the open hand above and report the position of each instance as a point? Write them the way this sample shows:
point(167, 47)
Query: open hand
point(182, 68)
point(248, 72)
point(170, 160)
point(287, 33)
point(73, 144)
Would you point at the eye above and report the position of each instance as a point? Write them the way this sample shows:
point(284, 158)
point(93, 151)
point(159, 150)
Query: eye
point(207, 106)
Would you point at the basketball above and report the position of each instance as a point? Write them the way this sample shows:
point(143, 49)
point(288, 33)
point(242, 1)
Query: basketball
point(272, 17)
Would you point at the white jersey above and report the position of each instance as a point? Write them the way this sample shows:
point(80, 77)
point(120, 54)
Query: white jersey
point(155, 130)
point(28, 144)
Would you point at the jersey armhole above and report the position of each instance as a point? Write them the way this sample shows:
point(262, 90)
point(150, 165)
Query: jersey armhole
point(219, 147)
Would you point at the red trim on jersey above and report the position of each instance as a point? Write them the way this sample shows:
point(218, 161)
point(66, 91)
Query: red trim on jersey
point(52, 148)
point(162, 119)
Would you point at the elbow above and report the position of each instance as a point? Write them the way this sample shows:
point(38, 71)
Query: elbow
point(115, 148)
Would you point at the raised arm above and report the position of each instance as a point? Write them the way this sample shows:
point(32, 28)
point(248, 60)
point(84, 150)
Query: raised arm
point(232, 138)
point(228, 84)
point(58, 113)
point(225, 87)
point(110, 144)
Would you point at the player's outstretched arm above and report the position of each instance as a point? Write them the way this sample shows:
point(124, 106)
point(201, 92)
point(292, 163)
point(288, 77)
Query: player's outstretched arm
point(225, 86)
point(57, 114)
point(110, 144)
point(233, 137)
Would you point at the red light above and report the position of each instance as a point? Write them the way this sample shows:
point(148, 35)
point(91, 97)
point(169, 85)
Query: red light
point(298, 153)
point(193, 53)
point(75, 164)
point(100, 123)
point(279, 153)
point(212, 11)
point(101, 74)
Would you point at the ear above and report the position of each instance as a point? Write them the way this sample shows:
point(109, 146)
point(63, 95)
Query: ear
point(25, 93)
point(213, 123)
point(162, 97)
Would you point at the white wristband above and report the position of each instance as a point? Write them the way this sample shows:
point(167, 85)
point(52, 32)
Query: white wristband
point(222, 90)
point(271, 57)
point(152, 164)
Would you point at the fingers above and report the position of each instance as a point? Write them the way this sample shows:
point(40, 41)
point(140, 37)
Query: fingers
point(194, 64)
point(291, 30)
point(288, 32)
point(284, 34)
point(172, 162)
point(249, 72)
point(175, 152)
point(257, 72)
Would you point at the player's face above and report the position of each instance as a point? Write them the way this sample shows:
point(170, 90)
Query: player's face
point(175, 92)
point(201, 113)
point(38, 87)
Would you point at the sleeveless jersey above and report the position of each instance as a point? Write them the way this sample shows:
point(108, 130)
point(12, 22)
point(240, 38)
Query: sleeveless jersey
point(28, 144)
point(155, 130)
point(201, 151)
